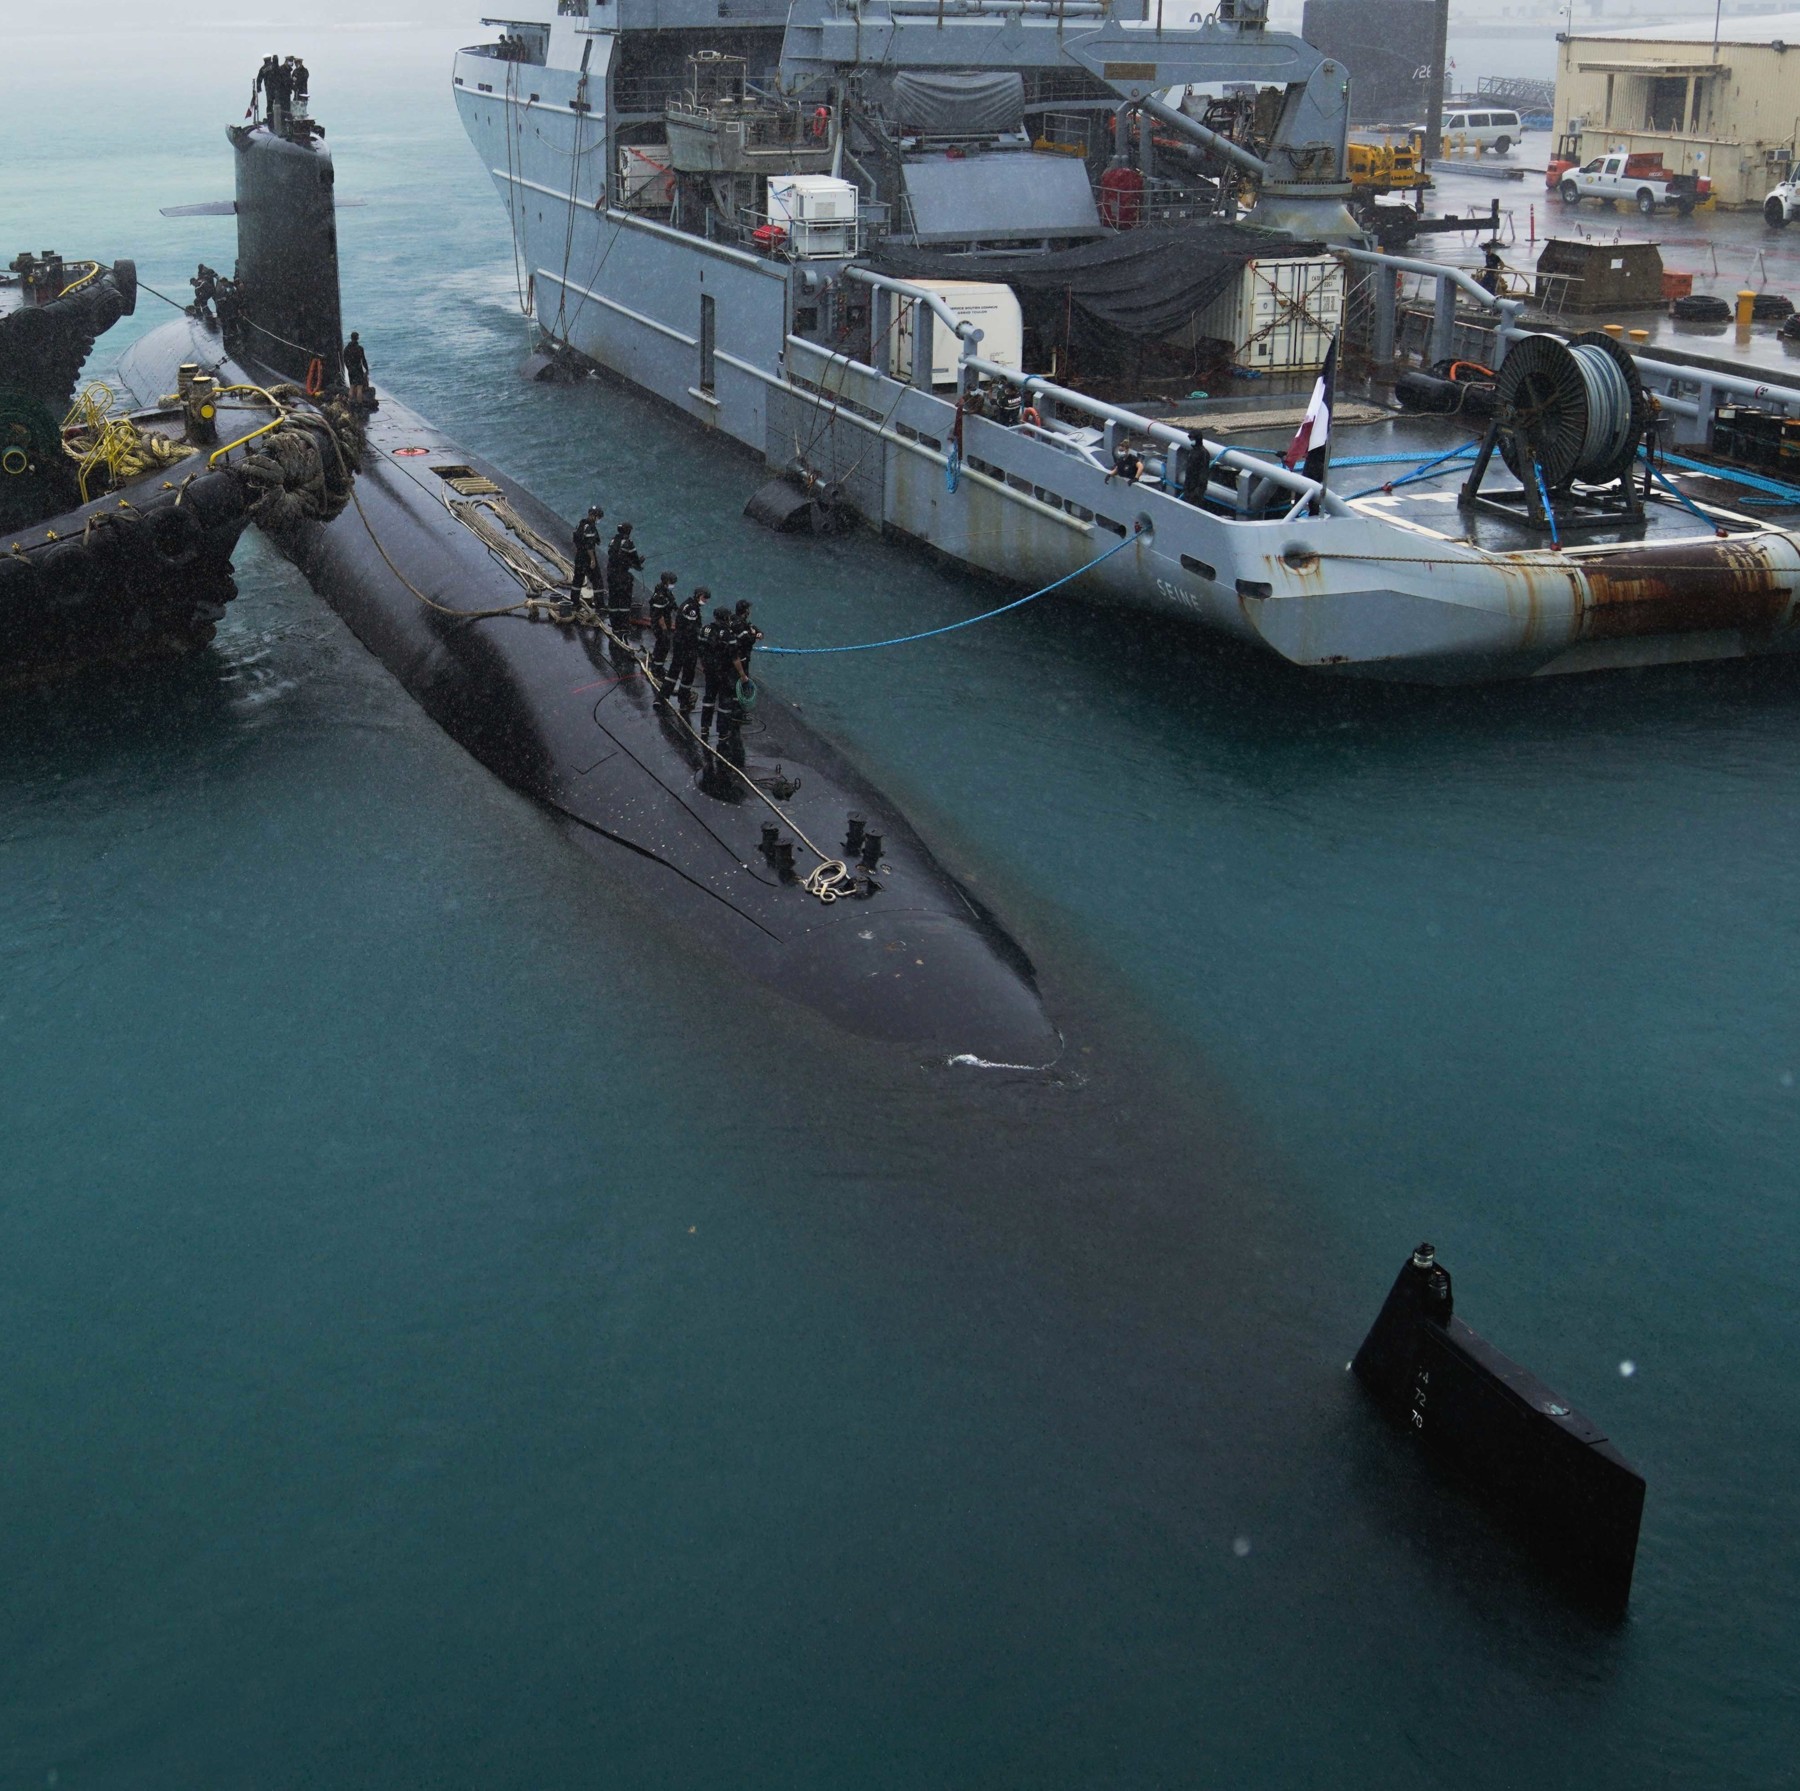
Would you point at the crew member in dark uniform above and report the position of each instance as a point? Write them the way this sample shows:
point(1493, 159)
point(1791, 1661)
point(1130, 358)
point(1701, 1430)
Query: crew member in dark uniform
point(720, 672)
point(298, 78)
point(278, 83)
point(356, 369)
point(1196, 468)
point(206, 288)
point(684, 643)
point(748, 634)
point(622, 559)
point(1128, 464)
point(662, 625)
point(264, 87)
point(1493, 267)
point(587, 555)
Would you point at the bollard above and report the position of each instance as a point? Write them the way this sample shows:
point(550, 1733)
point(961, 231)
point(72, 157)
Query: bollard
point(1615, 330)
point(1638, 335)
point(1746, 304)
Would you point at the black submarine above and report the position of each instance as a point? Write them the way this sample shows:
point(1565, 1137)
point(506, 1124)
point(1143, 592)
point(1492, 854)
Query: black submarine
point(1550, 1471)
point(780, 855)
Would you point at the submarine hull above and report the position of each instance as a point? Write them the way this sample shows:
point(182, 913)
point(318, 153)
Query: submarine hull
point(565, 715)
point(1550, 1471)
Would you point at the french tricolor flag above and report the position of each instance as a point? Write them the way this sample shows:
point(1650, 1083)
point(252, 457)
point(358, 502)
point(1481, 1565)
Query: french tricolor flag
point(1310, 450)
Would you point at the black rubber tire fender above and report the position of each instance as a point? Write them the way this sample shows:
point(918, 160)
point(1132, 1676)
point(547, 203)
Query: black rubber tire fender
point(175, 535)
point(20, 581)
point(1570, 193)
point(110, 547)
point(69, 570)
point(215, 498)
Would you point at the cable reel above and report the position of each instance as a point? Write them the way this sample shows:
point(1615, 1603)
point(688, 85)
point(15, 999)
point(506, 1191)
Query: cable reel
point(1566, 414)
point(1578, 407)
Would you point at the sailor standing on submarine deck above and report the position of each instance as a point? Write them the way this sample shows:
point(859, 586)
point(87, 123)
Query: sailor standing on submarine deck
point(662, 625)
point(356, 369)
point(721, 669)
point(622, 559)
point(587, 554)
point(684, 640)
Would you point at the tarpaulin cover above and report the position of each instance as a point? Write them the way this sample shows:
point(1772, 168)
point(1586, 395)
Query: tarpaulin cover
point(1141, 284)
point(958, 102)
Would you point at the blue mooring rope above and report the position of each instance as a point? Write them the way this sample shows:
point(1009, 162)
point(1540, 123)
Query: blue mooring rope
point(1422, 471)
point(1537, 472)
point(1712, 522)
point(900, 640)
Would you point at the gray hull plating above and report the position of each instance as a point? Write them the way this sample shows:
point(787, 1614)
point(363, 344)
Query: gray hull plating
point(708, 328)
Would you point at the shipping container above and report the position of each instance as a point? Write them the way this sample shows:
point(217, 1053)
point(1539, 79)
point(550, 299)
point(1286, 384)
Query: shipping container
point(991, 307)
point(1279, 315)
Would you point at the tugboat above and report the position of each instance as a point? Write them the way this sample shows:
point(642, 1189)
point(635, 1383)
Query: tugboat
point(117, 526)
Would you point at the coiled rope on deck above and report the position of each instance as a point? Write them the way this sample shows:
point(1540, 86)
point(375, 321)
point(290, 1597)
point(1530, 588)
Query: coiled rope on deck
point(925, 634)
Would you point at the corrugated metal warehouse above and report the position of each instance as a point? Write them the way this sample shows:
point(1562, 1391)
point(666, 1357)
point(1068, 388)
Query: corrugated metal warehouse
point(1725, 110)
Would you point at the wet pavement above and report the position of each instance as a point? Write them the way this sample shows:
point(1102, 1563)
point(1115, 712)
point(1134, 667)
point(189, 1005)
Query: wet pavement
point(1725, 251)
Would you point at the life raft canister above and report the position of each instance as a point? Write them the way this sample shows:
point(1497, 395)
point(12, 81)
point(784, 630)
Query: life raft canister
point(1122, 198)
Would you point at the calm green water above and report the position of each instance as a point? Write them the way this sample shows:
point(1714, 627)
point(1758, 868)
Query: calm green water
point(450, 1337)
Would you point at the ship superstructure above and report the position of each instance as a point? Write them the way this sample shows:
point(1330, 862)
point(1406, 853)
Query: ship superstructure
point(928, 257)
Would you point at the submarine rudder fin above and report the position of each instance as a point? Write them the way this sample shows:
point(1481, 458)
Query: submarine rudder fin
point(1550, 1470)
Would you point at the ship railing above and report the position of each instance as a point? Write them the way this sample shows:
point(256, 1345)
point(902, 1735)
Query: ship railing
point(1240, 483)
point(1255, 477)
point(1689, 392)
point(785, 238)
point(1156, 205)
point(645, 94)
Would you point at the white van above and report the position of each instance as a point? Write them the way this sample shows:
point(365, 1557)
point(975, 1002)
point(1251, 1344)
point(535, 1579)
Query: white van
point(1477, 128)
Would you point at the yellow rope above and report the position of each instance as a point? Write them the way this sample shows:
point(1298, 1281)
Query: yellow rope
point(95, 439)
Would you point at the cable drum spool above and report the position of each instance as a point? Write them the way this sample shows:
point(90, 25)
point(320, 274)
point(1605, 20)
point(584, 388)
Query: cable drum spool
point(1579, 406)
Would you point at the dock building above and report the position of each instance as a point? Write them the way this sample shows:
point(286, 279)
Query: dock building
point(1723, 107)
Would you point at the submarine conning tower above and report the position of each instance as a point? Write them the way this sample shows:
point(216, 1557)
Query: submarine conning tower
point(289, 316)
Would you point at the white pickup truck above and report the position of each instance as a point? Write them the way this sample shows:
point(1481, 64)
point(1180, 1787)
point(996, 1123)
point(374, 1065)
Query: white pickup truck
point(1783, 205)
point(1640, 178)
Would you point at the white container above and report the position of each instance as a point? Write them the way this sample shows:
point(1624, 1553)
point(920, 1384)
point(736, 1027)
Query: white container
point(991, 307)
point(646, 178)
point(1278, 315)
point(817, 212)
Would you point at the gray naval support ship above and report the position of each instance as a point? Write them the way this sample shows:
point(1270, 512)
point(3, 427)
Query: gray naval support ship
point(835, 230)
